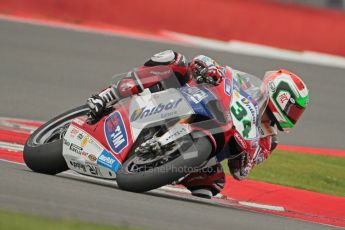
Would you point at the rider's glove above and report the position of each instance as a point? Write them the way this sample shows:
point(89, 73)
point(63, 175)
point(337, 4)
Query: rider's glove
point(97, 106)
point(199, 71)
point(214, 75)
point(206, 70)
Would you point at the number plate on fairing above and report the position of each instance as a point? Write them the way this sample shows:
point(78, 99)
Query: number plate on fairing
point(245, 114)
point(86, 155)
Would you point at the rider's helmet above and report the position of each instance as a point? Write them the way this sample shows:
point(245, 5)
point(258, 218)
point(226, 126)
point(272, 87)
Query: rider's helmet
point(288, 98)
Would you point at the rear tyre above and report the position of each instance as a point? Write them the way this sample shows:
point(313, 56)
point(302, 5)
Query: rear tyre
point(43, 150)
point(165, 174)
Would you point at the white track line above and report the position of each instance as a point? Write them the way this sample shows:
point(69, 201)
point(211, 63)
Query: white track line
point(11, 123)
point(12, 162)
point(11, 146)
point(171, 188)
point(20, 119)
point(262, 206)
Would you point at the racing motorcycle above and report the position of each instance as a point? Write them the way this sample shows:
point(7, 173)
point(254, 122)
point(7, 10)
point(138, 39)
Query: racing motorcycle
point(154, 138)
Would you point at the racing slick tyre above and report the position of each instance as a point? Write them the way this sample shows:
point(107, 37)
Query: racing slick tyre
point(43, 150)
point(143, 180)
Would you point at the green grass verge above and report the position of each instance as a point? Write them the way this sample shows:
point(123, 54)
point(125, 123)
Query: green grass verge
point(15, 221)
point(318, 173)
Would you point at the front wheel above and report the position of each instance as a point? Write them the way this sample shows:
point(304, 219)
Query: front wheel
point(137, 177)
point(43, 150)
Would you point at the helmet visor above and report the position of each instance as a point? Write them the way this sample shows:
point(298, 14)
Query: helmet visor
point(293, 111)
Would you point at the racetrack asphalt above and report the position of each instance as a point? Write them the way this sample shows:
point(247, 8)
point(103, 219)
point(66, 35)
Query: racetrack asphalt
point(45, 71)
point(65, 197)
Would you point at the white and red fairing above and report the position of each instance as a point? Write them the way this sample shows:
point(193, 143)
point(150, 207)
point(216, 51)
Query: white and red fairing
point(99, 149)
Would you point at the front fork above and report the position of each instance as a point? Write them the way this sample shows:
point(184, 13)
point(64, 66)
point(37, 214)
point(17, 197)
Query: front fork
point(158, 145)
point(179, 130)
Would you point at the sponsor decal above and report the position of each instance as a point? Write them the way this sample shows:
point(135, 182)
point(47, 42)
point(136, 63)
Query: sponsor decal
point(79, 121)
point(80, 136)
point(227, 87)
point(251, 108)
point(92, 157)
point(195, 94)
point(109, 161)
point(85, 141)
point(144, 112)
point(272, 86)
point(236, 94)
point(76, 149)
point(95, 145)
point(284, 97)
point(94, 170)
point(84, 154)
point(240, 140)
point(245, 101)
point(74, 132)
point(115, 132)
point(160, 73)
point(261, 131)
point(176, 133)
point(77, 165)
point(66, 142)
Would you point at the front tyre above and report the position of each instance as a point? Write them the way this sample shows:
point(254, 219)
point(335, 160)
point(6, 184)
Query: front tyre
point(43, 150)
point(145, 180)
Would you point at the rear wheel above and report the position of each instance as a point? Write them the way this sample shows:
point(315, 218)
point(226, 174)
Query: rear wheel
point(140, 174)
point(43, 150)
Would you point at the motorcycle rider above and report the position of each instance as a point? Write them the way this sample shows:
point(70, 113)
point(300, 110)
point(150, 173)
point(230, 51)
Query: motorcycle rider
point(287, 100)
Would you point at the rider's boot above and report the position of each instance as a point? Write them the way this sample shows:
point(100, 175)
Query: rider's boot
point(206, 183)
